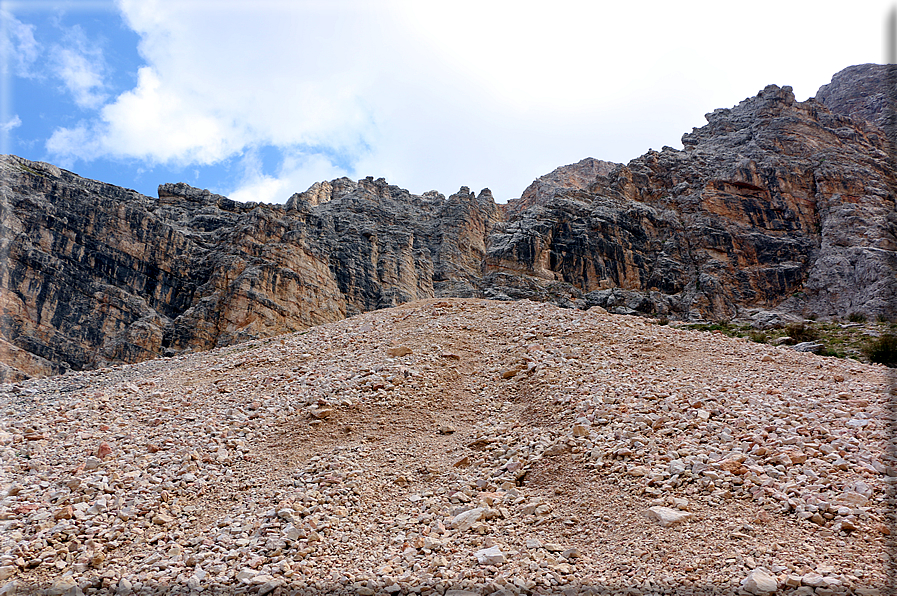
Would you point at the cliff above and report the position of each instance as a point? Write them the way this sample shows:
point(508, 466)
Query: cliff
point(861, 92)
point(773, 204)
point(93, 274)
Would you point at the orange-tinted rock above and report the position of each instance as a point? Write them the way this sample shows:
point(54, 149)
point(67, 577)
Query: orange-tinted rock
point(774, 204)
point(104, 450)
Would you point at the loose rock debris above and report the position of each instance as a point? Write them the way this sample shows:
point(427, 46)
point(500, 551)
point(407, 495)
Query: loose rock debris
point(329, 461)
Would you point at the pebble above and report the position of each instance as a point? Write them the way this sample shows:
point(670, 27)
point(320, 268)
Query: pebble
point(218, 467)
point(667, 517)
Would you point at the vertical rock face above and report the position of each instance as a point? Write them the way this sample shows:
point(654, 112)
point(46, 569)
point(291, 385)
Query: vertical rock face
point(93, 274)
point(773, 203)
point(860, 92)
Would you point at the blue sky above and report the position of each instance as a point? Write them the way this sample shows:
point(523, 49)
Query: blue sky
point(258, 100)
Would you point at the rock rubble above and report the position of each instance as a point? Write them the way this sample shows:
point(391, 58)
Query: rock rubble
point(218, 471)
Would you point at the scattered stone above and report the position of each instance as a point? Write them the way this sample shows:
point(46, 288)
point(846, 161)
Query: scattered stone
point(490, 556)
point(104, 450)
point(760, 581)
point(465, 520)
point(398, 351)
point(64, 586)
point(238, 487)
point(812, 579)
point(667, 517)
point(808, 346)
point(321, 413)
point(63, 513)
point(509, 373)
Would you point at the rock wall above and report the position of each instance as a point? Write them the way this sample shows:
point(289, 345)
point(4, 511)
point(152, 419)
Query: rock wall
point(92, 274)
point(861, 92)
point(772, 204)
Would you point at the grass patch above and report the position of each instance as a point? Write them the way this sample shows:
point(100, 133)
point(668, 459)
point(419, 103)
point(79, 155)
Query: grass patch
point(28, 170)
point(883, 350)
point(758, 337)
point(801, 332)
point(838, 340)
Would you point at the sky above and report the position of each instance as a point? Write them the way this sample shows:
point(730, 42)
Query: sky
point(258, 99)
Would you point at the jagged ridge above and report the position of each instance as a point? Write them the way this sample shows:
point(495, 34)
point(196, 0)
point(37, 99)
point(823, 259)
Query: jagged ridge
point(774, 203)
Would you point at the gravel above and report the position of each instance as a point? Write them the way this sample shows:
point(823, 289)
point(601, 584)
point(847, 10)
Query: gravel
point(453, 446)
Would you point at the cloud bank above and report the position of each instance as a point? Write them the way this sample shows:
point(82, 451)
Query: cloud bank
point(434, 95)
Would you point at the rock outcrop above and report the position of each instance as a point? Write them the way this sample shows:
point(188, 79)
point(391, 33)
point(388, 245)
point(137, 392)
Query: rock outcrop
point(94, 274)
point(581, 175)
point(860, 92)
point(773, 204)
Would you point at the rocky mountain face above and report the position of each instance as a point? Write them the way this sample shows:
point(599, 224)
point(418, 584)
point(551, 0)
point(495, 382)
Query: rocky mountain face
point(860, 92)
point(773, 204)
point(93, 274)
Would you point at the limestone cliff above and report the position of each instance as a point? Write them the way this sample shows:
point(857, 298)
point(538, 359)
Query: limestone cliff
point(774, 203)
point(93, 274)
point(860, 92)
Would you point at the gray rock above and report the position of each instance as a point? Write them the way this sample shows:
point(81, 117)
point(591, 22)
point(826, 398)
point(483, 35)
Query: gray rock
point(808, 346)
point(760, 581)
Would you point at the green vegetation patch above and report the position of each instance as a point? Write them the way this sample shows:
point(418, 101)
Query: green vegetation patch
point(883, 350)
point(856, 338)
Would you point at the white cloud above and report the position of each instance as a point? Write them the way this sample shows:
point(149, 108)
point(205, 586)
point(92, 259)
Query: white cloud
point(218, 81)
point(6, 127)
point(297, 169)
point(436, 95)
point(81, 67)
point(18, 48)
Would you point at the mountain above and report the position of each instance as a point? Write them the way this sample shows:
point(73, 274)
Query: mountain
point(773, 204)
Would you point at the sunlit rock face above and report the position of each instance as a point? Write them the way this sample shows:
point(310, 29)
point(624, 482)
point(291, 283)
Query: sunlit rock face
point(773, 204)
point(94, 274)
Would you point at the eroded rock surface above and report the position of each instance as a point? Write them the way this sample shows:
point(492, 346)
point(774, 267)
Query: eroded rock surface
point(859, 91)
point(774, 204)
point(94, 274)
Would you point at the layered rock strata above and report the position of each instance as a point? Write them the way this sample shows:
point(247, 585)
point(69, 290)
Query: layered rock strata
point(773, 204)
point(93, 274)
